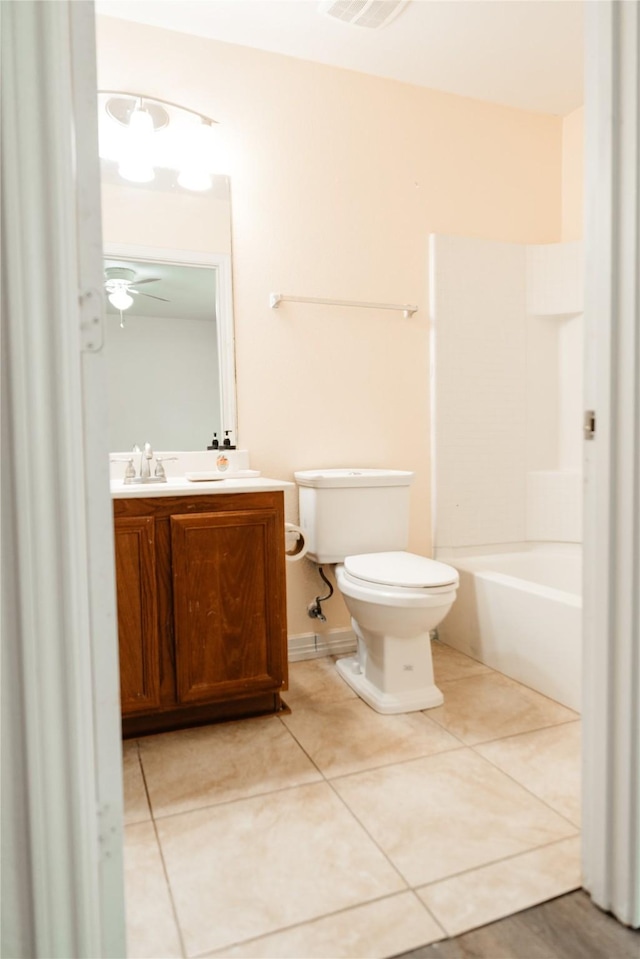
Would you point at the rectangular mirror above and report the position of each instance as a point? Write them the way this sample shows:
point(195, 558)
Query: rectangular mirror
point(169, 320)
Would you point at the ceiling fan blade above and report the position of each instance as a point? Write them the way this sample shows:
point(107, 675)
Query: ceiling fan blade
point(149, 279)
point(150, 295)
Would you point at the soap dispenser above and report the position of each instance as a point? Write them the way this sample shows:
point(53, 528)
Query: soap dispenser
point(227, 442)
point(214, 443)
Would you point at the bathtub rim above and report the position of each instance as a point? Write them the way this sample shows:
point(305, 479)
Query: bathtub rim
point(446, 553)
point(570, 597)
point(528, 586)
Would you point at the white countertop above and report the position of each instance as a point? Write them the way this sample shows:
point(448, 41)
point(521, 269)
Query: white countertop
point(178, 486)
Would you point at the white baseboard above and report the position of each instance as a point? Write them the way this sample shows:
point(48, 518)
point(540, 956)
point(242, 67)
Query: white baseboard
point(314, 645)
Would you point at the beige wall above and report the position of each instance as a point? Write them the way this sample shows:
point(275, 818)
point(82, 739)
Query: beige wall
point(198, 222)
point(572, 175)
point(337, 180)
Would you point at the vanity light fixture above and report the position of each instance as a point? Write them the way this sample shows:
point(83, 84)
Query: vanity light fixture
point(141, 133)
point(136, 163)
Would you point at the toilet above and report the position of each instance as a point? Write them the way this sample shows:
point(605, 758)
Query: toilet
point(359, 520)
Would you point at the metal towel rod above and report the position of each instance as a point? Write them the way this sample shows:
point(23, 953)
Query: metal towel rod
point(276, 298)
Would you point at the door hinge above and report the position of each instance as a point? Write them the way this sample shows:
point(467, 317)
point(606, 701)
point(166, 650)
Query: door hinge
point(109, 830)
point(91, 324)
point(589, 425)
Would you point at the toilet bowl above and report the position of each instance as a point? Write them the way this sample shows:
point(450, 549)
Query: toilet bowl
point(359, 519)
point(395, 599)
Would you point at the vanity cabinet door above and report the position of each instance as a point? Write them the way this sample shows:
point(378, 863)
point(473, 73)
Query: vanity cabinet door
point(230, 629)
point(137, 613)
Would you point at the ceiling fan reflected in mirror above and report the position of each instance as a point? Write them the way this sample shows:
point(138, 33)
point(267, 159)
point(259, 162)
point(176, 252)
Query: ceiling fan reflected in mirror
point(120, 284)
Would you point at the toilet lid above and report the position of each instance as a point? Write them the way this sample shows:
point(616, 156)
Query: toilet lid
point(401, 569)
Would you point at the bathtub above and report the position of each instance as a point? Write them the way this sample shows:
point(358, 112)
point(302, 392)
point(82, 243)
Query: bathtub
point(521, 613)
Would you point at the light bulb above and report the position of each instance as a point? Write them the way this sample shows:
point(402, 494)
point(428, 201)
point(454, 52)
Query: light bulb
point(196, 170)
point(141, 122)
point(136, 163)
point(120, 299)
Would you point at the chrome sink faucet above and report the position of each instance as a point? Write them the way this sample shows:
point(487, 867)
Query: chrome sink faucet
point(146, 456)
point(145, 462)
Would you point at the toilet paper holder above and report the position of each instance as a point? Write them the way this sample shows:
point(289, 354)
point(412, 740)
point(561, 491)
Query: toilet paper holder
point(296, 546)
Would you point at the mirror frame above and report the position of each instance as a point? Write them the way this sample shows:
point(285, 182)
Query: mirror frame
point(225, 331)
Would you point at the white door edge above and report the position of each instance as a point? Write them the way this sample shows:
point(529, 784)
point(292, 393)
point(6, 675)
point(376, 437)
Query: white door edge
point(611, 751)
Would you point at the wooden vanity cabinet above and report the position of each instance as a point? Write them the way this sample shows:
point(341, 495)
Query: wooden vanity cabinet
point(201, 608)
point(137, 614)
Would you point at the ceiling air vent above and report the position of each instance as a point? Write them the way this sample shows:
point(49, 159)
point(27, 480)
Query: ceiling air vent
point(363, 13)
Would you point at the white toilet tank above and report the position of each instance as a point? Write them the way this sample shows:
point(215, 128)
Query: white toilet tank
point(344, 512)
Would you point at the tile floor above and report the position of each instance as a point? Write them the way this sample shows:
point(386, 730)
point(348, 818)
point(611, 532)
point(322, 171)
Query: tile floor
point(337, 832)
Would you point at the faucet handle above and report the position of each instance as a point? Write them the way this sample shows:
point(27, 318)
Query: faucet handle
point(130, 471)
point(159, 470)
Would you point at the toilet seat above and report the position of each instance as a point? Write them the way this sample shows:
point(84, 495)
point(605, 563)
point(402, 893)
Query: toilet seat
point(381, 594)
point(401, 570)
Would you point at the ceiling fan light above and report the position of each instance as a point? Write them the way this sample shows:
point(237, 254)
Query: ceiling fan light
point(120, 299)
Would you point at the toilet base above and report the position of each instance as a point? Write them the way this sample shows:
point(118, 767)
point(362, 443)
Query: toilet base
point(404, 702)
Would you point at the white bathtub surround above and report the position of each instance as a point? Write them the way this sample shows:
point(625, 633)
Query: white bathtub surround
point(521, 613)
point(570, 333)
point(507, 426)
point(554, 506)
point(478, 390)
point(555, 278)
point(506, 390)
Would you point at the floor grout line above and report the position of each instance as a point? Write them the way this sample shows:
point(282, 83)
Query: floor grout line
point(438, 922)
point(401, 762)
point(162, 860)
point(326, 915)
point(524, 732)
point(350, 811)
point(326, 779)
point(494, 862)
point(527, 789)
point(161, 817)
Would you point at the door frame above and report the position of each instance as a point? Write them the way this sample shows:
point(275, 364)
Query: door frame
point(73, 905)
point(611, 587)
point(63, 887)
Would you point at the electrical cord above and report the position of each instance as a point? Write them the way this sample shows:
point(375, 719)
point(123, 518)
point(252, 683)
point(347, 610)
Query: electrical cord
point(315, 609)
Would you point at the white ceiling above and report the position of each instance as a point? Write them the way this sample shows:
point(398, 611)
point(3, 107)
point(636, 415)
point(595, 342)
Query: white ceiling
point(521, 53)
